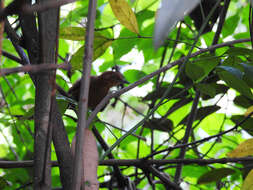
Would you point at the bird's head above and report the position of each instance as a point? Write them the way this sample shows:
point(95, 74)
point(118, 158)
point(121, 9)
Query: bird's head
point(113, 78)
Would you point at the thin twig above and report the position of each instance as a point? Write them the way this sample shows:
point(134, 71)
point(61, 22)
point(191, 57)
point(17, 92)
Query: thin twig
point(33, 68)
point(188, 131)
point(136, 162)
point(221, 22)
point(12, 57)
point(120, 129)
point(140, 162)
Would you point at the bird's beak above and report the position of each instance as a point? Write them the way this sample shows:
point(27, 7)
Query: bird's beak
point(124, 81)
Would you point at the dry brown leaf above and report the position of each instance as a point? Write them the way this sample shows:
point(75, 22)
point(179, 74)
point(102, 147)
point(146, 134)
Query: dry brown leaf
point(242, 150)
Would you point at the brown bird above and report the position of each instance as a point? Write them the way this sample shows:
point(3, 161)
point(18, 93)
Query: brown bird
point(99, 87)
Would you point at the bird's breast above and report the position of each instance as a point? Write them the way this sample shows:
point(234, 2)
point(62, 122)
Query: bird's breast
point(96, 95)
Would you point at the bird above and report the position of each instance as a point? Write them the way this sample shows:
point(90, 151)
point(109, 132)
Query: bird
point(99, 87)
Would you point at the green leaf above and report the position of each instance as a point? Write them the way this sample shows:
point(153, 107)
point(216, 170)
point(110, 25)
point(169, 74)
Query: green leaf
point(3, 150)
point(29, 113)
point(124, 45)
point(242, 35)
point(238, 51)
point(100, 45)
point(110, 64)
point(230, 25)
point(16, 110)
point(248, 78)
point(247, 125)
point(72, 33)
point(233, 78)
point(77, 59)
point(174, 93)
point(207, 89)
point(179, 104)
point(145, 5)
point(4, 183)
point(133, 75)
point(234, 71)
point(17, 175)
point(193, 170)
point(143, 16)
point(243, 101)
point(75, 15)
point(193, 71)
point(159, 124)
point(63, 104)
point(215, 175)
point(200, 68)
point(202, 113)
point(233, 61)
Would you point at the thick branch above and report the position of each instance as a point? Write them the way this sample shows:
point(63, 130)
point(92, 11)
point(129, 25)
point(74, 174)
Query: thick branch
point(30, 35)
point(84, 94)
point(43, 132)
point(62, 146)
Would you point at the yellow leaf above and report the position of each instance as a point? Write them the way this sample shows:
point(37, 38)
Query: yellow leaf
point(242, 150)
point(124, 14)
point(248, 182)
point(249, 110)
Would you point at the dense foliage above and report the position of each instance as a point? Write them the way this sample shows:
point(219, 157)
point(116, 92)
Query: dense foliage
point(203, 97)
